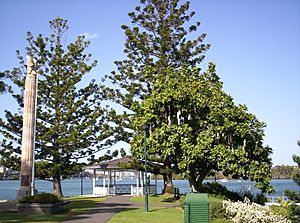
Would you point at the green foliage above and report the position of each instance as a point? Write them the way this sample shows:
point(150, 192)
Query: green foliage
point(219, 190)
point(283, 210)
point(192, 125)
point(295, 196)
point(196, 127)
point(44, 198)
point(160, 36)
point(3, 86)
point(295, 213)
point(216, 210)
point(260, 199)
point(71, 124)
point(182, 201)
point(292, 195)
point(296, 159)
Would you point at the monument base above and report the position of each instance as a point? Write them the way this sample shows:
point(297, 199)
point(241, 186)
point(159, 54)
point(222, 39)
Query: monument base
point(24, 191)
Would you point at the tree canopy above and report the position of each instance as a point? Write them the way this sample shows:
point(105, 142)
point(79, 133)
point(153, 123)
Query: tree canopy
point(160, 37)
point(71, 124)
point(195, 128)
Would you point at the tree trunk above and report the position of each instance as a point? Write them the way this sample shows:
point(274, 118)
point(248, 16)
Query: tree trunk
point(168, 184)
point(195, 180)
point(57, 186)
point(193, 184)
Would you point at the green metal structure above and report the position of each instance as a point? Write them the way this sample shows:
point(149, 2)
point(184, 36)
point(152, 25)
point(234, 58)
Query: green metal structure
point(196, 208)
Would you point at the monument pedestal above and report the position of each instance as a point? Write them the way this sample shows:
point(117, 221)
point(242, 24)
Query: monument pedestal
point(23, 191)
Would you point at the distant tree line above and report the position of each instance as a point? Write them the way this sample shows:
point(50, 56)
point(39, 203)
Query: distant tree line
point(284, 172)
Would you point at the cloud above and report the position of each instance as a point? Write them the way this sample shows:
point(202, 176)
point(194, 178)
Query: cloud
point(90, 35)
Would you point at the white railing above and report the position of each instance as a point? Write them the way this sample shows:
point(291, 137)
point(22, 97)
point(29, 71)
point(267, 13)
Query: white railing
point(275, 198)
point(133, 190)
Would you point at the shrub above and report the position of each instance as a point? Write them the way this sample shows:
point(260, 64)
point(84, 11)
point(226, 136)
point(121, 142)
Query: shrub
point(215, 208)
point(220, 190)
point(260, 199)
point(247, 212)
point(282, 210)
point(40, 198)
point(294, 210)
point(182, 201)
point(292, 195)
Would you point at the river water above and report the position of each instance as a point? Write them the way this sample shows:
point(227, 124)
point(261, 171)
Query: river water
point(70, 187)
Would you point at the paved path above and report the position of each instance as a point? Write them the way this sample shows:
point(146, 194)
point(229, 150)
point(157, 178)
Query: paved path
point(105, 210)
point(8, 206)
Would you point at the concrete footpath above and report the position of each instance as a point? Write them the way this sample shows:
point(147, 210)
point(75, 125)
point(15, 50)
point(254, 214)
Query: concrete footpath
point(8, 206)
point(105, 210)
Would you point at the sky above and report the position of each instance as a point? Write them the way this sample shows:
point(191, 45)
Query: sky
point(254, 43)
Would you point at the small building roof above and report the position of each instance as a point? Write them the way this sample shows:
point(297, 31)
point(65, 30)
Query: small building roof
point(111, 164)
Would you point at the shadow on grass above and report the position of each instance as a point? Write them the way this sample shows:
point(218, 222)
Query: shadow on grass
point(76, 206)
point(169, 200)
point(156, 209)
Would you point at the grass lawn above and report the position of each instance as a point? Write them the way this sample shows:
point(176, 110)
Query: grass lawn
point(155, 215)
point(78, 205)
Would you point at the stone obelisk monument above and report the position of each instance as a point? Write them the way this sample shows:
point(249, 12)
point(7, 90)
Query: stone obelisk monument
point(28, 134)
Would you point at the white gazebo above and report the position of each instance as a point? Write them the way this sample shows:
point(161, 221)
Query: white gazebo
point(110, 171)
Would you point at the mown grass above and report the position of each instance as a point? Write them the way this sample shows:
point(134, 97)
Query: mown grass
point(160, 214)
point(77, 205)
point(155, 215)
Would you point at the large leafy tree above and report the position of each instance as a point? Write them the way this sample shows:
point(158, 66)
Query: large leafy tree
point(195, 128)
point(71, 124)
point(159, 37)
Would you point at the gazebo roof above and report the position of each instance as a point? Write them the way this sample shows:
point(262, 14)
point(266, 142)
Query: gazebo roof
point(111, 164)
